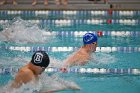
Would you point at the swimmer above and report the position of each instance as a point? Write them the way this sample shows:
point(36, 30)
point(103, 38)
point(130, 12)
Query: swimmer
point(82, 56)
point(32, 71)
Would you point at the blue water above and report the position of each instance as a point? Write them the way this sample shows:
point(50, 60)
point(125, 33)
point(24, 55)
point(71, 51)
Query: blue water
point(89, 83)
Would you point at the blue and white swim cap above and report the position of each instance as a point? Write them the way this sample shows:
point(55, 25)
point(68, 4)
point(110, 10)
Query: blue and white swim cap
point(89, 38)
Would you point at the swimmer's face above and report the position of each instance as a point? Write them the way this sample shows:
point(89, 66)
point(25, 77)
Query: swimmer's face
point(40, 70)
point(94, 45)
point(43, 69)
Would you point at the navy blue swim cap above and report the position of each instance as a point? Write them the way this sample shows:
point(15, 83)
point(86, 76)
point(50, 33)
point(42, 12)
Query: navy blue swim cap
point(89, 38)
point(40, 58)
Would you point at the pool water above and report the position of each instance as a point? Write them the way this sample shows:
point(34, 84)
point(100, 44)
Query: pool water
point(66, 29)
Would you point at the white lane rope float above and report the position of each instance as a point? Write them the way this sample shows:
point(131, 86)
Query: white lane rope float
point(70, 12)
point(69, 49)
point(99, 33)
point(68, 22)
point(131, 71)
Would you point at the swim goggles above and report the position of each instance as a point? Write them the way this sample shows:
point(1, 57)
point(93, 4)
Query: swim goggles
point(94, 43)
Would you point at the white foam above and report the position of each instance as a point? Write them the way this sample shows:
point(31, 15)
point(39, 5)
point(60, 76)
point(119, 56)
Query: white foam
point(25, 88)
point(56, 83)
point(45, 83)
point(55, 62)
point(21, 31)
point(103, 58)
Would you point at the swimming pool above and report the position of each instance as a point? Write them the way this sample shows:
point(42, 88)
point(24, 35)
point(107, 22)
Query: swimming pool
point(116, 66)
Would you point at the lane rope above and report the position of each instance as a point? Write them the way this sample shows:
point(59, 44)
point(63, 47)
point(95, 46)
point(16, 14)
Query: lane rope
point(99, 33)
point(69, 49)
point(72, 12)
point(133, 71)
point(69, 22)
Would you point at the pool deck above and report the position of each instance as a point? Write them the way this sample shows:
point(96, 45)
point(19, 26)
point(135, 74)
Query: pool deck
point(73, 5)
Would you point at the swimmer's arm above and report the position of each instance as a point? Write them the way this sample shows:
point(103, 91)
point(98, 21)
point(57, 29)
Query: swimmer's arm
point(70, 61)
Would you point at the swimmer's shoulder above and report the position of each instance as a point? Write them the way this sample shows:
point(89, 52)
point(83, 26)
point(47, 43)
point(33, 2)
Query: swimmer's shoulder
point(25, 71)
point(25, 75)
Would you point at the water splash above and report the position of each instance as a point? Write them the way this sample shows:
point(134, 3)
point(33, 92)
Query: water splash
point(21, 31)
point(25, 88)
point(55, 62)
point(13, 61)
point(46, 83)
point(103, 58)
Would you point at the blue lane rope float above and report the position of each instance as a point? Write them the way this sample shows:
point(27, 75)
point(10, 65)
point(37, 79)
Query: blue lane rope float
point(69, 12)
point(131, 71)
point(69, 49)
point(8, 70)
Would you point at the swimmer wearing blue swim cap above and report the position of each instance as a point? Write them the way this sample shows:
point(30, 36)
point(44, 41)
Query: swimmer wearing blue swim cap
point(83, 55)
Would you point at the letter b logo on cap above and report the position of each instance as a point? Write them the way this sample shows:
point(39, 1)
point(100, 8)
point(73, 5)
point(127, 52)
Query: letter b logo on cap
point(38, 58)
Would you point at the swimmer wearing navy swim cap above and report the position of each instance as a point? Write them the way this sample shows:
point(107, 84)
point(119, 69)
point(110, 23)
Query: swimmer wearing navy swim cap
point(30, 72)
point(40, 58)
point(83, 55)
